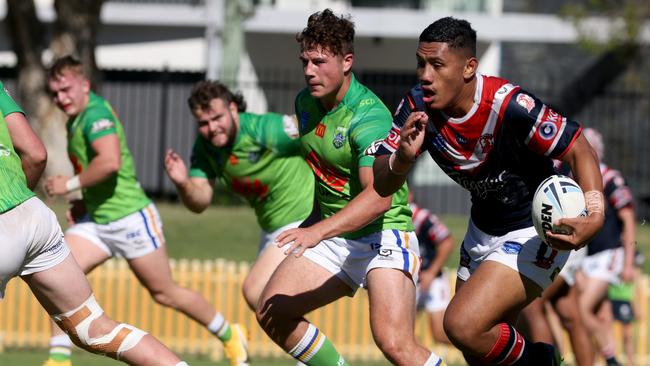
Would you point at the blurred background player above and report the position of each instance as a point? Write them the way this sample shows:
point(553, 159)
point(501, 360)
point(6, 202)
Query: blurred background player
point(610, 255)
point(621, 297)
point(362, 239)
point(436, 244)
point(496, 141)
point(115, 217)
point(34, 249)
point(253, 155)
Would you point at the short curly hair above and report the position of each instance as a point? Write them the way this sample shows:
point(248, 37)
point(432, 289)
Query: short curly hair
point(60, 65)
point(325, 29)
point(457, 33)
point(204, 91)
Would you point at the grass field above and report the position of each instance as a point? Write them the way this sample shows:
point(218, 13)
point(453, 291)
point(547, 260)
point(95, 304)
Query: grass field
point(232, 233)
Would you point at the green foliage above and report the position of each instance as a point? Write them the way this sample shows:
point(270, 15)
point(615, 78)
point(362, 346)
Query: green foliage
point(626, 18)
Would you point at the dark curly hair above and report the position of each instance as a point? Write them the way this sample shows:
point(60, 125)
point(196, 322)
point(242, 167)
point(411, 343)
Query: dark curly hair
point(204, 91)
point(457, 33)
point(325, 29)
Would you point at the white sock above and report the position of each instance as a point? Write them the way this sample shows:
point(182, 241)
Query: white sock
point(216, 324)
point(182, 363)
point(433, 360)
point(61, 340)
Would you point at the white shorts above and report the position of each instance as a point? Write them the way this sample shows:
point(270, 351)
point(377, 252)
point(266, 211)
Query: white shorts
point(606, 265)
point(521, 250)
point(32, 241)
point(352, 259)
point(267, 238)
point(573, 264)
point(132, 236)
point(437, 297)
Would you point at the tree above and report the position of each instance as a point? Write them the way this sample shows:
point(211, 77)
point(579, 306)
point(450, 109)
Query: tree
point(74, 32)
point(616, 52)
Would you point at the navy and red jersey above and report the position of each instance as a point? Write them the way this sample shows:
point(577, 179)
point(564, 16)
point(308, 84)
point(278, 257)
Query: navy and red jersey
point(430, 232)
point(500, 151)
point(617, 196)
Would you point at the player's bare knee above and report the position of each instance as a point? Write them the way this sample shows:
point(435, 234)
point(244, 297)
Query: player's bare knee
point(393, 346)
point(91, 330)
point(251, 296)
point(275, 309)
point(459, 330)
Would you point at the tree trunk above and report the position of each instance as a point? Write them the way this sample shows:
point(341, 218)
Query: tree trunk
point(75, 32)
point(28, 38)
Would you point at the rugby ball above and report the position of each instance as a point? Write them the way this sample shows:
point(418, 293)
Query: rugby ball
point(557, 197)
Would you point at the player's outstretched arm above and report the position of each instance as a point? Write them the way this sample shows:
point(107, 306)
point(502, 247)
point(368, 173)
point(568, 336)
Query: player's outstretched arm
point(390, 171)
point(585, 168)
point(359, 212)
point(105, 164)
point(195, 192)
point(29, 147)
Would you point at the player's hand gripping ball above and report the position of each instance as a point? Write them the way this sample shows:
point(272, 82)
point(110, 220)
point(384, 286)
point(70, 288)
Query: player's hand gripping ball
point(556, 197)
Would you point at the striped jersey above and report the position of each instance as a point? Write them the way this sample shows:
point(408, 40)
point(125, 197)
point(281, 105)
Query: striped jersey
point(500, 151)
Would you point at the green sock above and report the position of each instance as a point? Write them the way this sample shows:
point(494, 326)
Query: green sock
point(314, 349)
point(60, 353)
point(224, 334)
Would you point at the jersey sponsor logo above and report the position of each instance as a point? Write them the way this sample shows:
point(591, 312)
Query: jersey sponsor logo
point(547, 130)
point(366, 102)
point(511, 247)
point(304, 119)
point(393, 138)
point(460, 139)
point(320, 130)
point(133, 234)
point(326, 173)
point(486, 141)
point(4, 151)
point(526, 101)
point(373, 148)
point(250, 188)
point(481, 188)
point(101, 125)
point(233, 159)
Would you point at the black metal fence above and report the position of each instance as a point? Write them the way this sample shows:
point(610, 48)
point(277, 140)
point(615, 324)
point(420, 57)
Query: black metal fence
point(153, 109)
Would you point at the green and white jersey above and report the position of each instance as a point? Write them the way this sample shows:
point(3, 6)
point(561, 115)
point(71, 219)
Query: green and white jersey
point(13, 184)
point(264, 166)
point(120, 194)
point(339, 142)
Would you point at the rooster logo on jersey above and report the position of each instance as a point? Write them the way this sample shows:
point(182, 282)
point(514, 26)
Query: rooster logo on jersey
point(486, 142)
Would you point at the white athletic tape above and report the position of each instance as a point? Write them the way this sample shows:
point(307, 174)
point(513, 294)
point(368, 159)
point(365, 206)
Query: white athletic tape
point(77, 324)
point(73, 184)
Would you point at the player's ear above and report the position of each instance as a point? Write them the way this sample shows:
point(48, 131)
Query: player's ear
point(348, 60)
point(471, 65)
point(232, 106)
